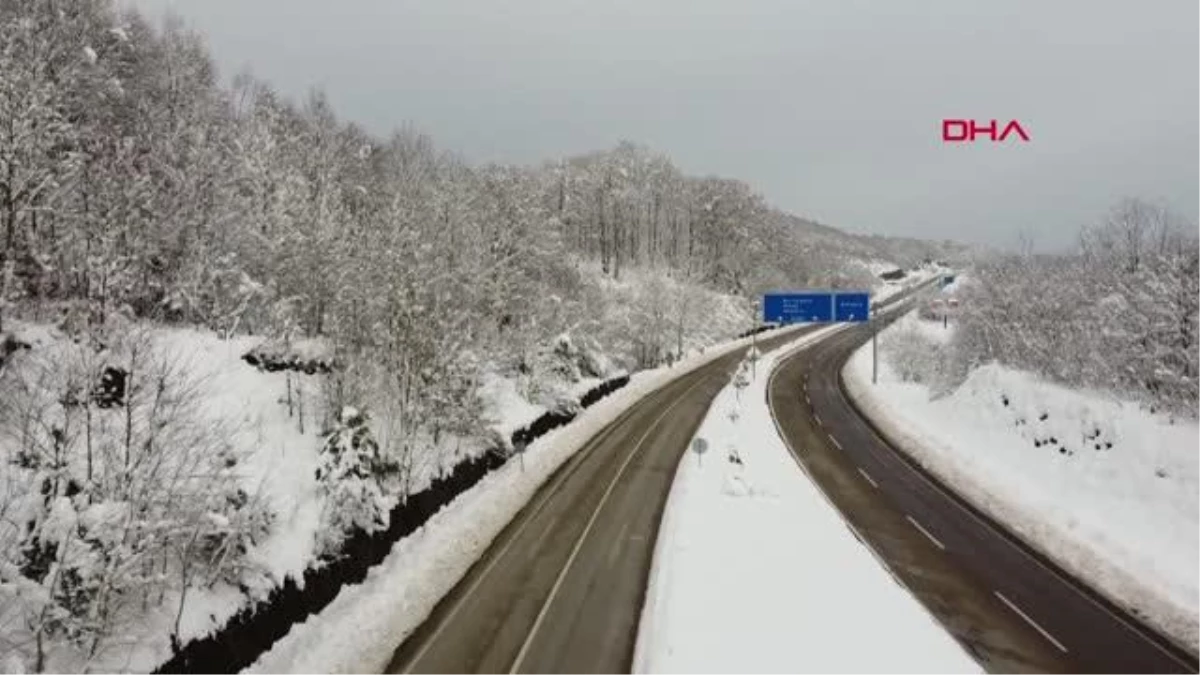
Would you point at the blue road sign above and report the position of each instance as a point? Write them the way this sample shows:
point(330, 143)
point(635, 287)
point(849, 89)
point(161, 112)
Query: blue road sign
point(797, 307)
point(816, 306)
point(851, 307)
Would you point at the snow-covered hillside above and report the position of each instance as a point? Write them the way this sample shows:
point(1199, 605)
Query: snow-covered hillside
point(362, 628)
point(266, 424)
point(1103, 486)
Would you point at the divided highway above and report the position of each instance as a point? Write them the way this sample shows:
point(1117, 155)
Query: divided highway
point(561, 587)
point(1013, 609)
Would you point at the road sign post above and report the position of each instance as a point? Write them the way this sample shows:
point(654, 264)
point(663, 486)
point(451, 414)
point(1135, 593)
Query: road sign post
point(754, 332)
point(874, 345)
point(699, 446)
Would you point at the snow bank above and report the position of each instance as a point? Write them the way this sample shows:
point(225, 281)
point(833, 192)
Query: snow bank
point(505, 409)
point(361, 629)
point(755, 571)
point(1106, 489)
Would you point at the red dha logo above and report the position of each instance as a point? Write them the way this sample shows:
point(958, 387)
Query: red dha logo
point(960, 131)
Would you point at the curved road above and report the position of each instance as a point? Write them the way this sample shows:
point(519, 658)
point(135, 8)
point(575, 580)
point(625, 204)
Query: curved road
point(560, 589)
point(1007, 605)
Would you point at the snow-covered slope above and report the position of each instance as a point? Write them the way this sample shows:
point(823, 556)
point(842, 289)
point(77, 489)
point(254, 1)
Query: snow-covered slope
point(1104, 487)
point(365, 624)
point(754, 571)
point(270, 423)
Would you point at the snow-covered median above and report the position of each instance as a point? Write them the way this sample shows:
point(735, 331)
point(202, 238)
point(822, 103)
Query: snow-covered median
point(1105, 488)
point(361, 629)
point(754, 570)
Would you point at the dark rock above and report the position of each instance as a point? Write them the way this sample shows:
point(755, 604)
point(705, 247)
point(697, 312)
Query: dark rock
point(110, 391)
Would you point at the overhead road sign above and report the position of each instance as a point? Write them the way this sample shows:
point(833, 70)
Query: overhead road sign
point(815, 306)
point(798, 307)
point(851, 306)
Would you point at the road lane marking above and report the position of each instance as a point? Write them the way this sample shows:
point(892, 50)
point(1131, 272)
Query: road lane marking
point(925, 532)
point(568, 469)
point(562, 574)
point(807, 400)
point(1013, 541)
point(818, 419)
point(869, 479)
point(482, 575)
point(835, 442)
point(804, 469)
point(1045, 633)
point(618, 544)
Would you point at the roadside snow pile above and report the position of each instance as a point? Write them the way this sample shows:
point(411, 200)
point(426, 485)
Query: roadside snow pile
point(361, 629)
point(505, 409)
point(1107, 489)
point(754, 571)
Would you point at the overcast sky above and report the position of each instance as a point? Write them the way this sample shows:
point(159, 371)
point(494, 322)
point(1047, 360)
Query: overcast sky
point(831, 109)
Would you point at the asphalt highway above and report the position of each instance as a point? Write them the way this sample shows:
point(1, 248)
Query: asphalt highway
point(561, 587)
point(1011, 608)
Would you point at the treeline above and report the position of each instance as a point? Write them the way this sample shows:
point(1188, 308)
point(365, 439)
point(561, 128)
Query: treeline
point(130, 180)
point(1119, 314)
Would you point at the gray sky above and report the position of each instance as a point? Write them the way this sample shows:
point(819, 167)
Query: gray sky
point(832, 109)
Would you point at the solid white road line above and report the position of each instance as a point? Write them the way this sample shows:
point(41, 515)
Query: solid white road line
point(818, 419)
point(925, 532)
point(1046, 634)
point(869, 479)
point(551, 490)
point(835, 442)
point(482, 575)
point(537, 623)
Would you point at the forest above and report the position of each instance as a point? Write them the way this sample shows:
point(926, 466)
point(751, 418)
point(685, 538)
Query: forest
point(1117, 314)
point(139, 191)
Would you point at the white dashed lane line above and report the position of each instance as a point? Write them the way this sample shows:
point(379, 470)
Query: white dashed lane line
point(925, 532)
point(1045, 633)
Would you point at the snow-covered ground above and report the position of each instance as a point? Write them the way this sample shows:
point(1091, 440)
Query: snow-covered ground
point(755, 571)
point(361, 629)
point(885, 290)
point(272, 422)
point(277, 462)
point(1107, 489)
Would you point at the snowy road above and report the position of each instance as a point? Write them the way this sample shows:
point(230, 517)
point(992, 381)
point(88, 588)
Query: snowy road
point(1013, 609)
point(560, 590)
